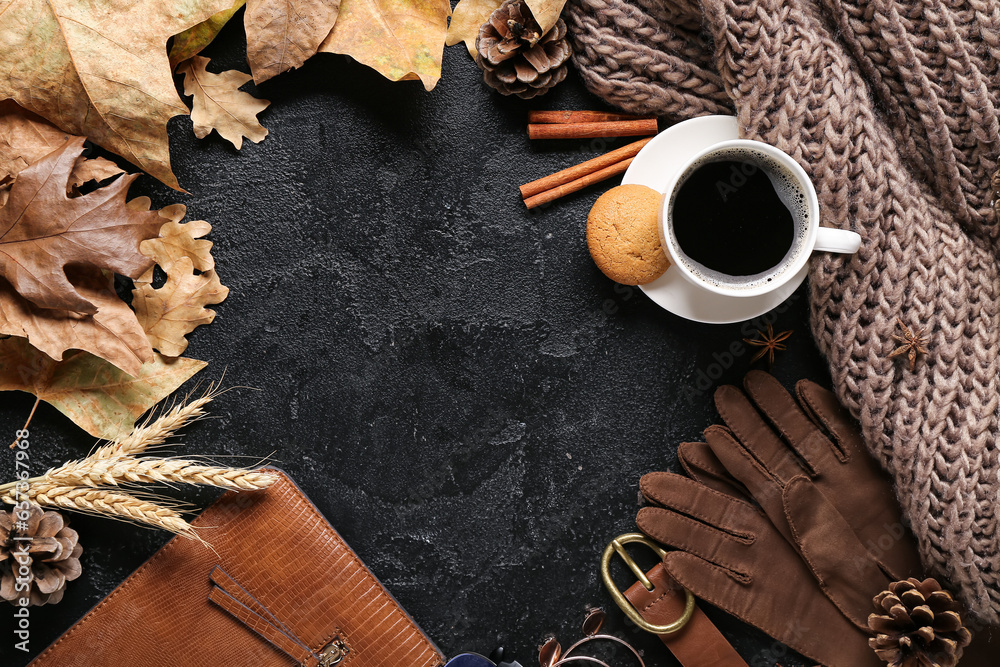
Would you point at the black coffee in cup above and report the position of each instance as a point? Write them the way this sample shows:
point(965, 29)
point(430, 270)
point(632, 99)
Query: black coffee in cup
point(738, 215)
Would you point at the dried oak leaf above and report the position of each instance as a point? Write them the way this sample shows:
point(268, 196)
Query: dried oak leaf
point(400, 39)
point(220, 105)
point(98, 397)
point(100, 69)
point(283, 34)
point(194, 39)
point(177, 308)
point(112, 333)
point(176, 240)
point(26, 138)
point(470, 15)
point(42, 230)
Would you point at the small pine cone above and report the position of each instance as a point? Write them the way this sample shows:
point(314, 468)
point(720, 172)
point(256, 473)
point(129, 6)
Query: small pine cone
point(515, 57)
point(53, 556)
point(920, 627)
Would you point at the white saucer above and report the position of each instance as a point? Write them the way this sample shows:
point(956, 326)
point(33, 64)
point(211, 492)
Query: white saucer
point(660, 159)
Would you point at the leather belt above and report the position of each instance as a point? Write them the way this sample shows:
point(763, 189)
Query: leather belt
point(665, 608)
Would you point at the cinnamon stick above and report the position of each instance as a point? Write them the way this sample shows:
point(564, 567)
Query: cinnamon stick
point(578, 184)
point(619, 128)
point(580, 170)
point(581, 117)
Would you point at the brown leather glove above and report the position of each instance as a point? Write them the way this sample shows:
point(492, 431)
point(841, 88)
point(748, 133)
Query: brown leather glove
point(730, 555)
point(806, 482)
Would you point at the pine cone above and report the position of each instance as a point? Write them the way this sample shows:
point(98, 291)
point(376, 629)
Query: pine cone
point(921, 626)
point(53, 556)
point(515, 57)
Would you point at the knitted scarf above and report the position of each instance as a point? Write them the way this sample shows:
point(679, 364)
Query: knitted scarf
point(891, 107)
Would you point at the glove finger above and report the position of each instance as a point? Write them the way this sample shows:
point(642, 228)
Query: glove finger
point(871, 508)
point(848, 574)
point(721, 511)
point(763, 487)
point(675, 530)
point(808, 441)
point(749, 427)
point(819, 632)
point(702, 465)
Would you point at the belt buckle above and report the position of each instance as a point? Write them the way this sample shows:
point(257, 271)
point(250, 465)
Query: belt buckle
point(617, 545)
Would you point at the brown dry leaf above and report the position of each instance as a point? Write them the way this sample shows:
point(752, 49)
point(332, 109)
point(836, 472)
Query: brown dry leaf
point(470, 15)
point(193, 40)
point(401, 39)
point(177, 240)
point(42, 230)
point(25, 138)
point(100, 69)
point(171, 312)
point(220, 105)
point(98, 397)
point(113, 333)
point(283, 34)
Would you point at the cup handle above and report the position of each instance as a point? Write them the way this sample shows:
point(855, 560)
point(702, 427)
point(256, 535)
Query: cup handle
point(837, 240)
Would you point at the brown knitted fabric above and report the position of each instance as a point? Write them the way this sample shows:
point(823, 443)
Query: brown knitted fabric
point(891, 107)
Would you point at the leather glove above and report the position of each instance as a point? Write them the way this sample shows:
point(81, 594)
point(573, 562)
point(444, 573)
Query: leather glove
point(806, 481)
point(731, 555)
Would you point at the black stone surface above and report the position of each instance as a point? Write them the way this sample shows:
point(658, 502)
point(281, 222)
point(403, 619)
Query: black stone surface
point(448, 376)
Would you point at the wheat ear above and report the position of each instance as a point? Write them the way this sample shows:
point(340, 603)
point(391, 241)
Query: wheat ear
point(96, 472)
point(156, 432)
point(105, 503)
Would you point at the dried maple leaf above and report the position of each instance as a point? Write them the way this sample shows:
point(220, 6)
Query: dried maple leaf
point(400, 39)
point(42, 230)
point(470, 15)
point(177, 308)
point(112, 333)
point(98, 397)
point(26, 138)
point(194, 39)
point(220, 105)
point(283, 34)
point(100, 69)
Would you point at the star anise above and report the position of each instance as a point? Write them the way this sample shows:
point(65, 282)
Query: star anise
point(769, 343)
point(912, 343)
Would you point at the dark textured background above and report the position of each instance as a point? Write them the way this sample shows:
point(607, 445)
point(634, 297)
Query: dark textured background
point(448, 376)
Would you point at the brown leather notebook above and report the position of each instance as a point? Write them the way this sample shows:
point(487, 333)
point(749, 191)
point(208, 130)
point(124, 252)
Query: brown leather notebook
point(278, 587)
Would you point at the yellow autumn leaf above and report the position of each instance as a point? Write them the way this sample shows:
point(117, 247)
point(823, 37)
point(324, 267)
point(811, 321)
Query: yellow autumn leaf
point(101, 399)
point(100, 69)
point(400, 39)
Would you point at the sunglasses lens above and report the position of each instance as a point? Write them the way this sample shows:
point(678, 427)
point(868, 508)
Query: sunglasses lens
point(469, 660)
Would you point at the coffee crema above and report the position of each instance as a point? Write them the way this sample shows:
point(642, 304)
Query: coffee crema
point(739, 217)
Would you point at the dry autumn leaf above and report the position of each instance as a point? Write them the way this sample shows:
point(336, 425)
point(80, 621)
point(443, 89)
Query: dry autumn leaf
point(177, 240)
point(283, 34)
point(177, 308)
point(100, 69)
point(98, 397)
point(26, 138)
point(470, 15)
point(220, 105)
point(113, 333)
point(42, 230)
point(400, 39)
point(193, 40)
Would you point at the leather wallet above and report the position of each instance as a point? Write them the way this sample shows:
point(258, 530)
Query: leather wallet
point(275, 586)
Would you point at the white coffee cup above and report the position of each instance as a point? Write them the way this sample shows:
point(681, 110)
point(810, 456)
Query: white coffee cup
point(809, 236)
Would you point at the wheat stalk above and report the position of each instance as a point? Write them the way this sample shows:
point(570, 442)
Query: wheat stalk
point(94, 472)
point(81, 485)
point(105, 502)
